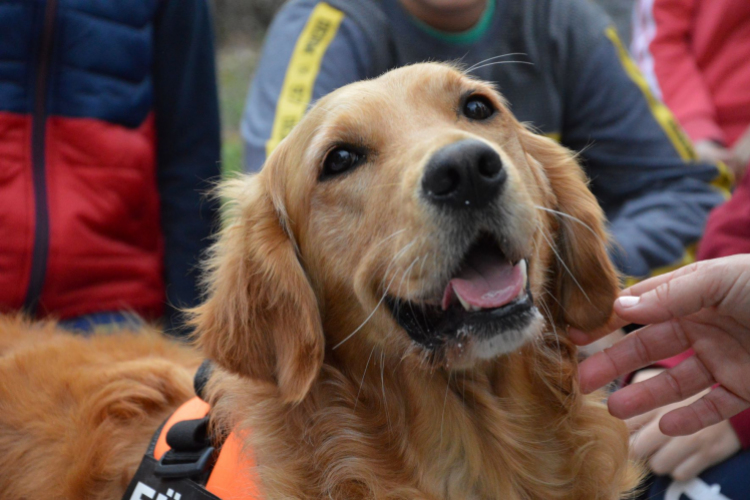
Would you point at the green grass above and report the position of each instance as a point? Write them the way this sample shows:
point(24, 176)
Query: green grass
point(235, 67)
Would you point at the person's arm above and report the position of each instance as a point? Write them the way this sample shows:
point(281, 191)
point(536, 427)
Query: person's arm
point(643, 169)
point(188, 142)
point(662, 47)
point(310, 50)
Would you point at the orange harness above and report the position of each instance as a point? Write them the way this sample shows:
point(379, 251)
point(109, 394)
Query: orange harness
point(232, 476)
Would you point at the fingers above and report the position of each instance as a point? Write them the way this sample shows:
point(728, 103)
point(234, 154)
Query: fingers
point(717, 405)
point(615, 322)
point(647, 285)
point(693, 465)
point(673, 385)
point(715, 446)
point(647, 441)
point(682, 457)
point(597, 371)
point(674, 452)
point(686, 291)
point(679, 293)
point(685, 457)
point(638, 422)
point(676, 297)
point(639, 349)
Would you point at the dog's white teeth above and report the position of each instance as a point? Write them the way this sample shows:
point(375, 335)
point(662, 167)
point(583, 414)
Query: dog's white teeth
point(466, 305)
point(525, 273)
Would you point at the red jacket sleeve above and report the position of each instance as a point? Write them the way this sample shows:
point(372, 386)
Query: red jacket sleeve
point(661, 45)
point(740, 422)
point(728, 226)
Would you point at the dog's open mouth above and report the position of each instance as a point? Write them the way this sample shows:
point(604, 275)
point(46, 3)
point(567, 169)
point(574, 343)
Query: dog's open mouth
point(488, 296)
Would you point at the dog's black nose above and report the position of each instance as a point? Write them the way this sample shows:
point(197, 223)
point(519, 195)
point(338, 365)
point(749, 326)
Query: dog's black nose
point(466, 174)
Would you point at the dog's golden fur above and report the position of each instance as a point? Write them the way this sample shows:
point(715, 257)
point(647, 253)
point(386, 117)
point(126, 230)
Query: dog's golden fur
point(76, 414)
point(336, 399)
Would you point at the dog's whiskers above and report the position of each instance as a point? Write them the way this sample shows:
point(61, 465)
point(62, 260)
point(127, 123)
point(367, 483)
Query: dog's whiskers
point(562, 262)
point(568, 216)
point(548, 314)
point(421, 274)
point(405, 274)
point(492, 59)
point(502, 62)
point(385, 293)
point(389, 237)
point(463, 389)
point(445, 401)
point(385, 399)
point(557, 302)
point(361, 382)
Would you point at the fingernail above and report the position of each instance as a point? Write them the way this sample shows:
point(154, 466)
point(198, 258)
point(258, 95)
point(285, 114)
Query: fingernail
point(628, 301)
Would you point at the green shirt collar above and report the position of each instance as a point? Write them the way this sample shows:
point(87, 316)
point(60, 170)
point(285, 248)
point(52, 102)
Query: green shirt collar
point(464, 37)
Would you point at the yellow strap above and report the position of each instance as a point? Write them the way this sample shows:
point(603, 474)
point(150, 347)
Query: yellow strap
point(662, 114)
point(681, 142)
point(303, 69)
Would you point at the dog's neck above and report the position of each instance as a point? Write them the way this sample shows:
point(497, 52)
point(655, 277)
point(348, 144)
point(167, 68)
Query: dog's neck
point(470, 430)
point(372, 425)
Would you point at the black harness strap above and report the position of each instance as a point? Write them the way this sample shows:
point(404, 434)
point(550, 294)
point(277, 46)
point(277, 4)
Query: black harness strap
point(182, 472)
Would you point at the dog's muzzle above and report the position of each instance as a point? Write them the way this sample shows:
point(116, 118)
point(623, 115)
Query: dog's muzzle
point(487, 297)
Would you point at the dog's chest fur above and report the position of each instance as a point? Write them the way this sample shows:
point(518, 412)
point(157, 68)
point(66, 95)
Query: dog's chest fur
point(391, 435)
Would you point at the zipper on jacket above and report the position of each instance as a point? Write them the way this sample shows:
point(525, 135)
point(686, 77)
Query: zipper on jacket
point(38, 153)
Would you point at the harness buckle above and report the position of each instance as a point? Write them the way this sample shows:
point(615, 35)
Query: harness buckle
point(184, 464)
point(191, 450)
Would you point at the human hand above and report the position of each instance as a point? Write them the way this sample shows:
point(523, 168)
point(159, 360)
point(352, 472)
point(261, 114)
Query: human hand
point(713, 152)
point(705, 306)
point(682, 457)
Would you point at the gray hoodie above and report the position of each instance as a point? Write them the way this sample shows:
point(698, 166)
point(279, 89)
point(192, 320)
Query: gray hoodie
point(580, 88)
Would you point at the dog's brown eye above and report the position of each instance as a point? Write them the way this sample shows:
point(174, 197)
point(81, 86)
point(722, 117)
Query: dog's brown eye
point(478, 107)
point(339, 161)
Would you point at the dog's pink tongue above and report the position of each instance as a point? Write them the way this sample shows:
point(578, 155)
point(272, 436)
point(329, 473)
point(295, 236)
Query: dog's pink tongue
point(487, 281)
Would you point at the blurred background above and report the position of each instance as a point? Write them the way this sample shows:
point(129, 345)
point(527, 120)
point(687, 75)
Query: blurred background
point(240, 26)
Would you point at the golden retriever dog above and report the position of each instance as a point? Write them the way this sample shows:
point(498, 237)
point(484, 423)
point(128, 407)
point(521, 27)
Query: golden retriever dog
point(387, 307)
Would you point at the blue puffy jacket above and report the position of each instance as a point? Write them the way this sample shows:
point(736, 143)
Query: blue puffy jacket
point(109, 131)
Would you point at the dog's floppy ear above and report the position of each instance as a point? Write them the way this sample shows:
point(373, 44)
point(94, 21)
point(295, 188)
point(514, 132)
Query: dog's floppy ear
point(260, 318)
point(585, 282)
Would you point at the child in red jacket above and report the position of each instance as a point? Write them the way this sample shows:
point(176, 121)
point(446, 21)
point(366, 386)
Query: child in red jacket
point(694, 54)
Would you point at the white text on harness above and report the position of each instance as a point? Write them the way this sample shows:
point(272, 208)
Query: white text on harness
point(143, 491)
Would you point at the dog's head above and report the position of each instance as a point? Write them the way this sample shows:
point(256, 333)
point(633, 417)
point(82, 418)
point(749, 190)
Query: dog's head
point(412, 212)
